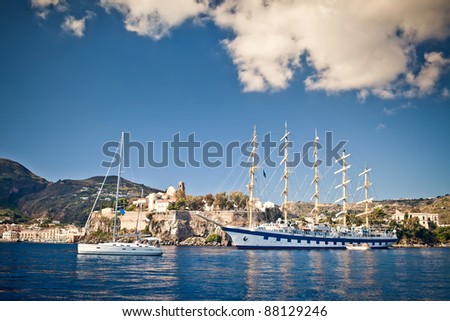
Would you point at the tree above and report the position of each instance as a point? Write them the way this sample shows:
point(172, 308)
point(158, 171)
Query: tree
point(432, 226)
point(443, 234)
point(180, 204)
point(122, 203)
point(238, 199)
point(180, 193)
point(356, 220)
point(209, 199)
point(377, 217)
point(213, 238)
point(222, 201)
point(411, 231)
point(194, 203)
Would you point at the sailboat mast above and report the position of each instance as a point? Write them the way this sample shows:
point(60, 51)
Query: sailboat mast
point(367, 200)
point(366, 192)
point(251, 185)
point(316, 179)
point(344, 183)
point(344, 188)
point(117, 189)
point(140, 211)
point(286, 173)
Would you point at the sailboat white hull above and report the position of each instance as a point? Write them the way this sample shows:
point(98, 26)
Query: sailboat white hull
point(115, 248)
point(245, 238)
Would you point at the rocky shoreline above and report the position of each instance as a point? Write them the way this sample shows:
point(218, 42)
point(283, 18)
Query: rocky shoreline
point(201, 242)
point(418, 246)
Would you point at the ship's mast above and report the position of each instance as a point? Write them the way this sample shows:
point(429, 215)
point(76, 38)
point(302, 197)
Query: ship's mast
point(286, 173)
point(117, 189)
point(251, 184)
point(366, 200)
point(344, 183)
point(316, 179)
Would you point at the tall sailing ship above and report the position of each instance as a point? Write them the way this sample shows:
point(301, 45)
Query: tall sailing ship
point(283, 234)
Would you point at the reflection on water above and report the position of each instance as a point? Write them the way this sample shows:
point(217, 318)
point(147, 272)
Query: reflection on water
point(252, 273)
point(288, 287)
point(269, 274)
point(126, 277)
point(56, 272)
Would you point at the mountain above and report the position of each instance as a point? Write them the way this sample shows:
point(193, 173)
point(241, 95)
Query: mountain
point(68, 201)
point(17, 181)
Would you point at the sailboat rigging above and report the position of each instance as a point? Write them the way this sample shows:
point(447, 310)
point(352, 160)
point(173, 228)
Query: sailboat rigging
point(147, 246)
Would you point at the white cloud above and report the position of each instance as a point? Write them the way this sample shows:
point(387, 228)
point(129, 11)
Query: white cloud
point(389, 111)
point(362, 95)
point(381, 126)
point(445, 93)
point(43, 13)
point(395, 110)
point(349, 45)
point(366, 46)
point(44, 3)
point(43, 6)
point(429, 73)
point(76, 26)
point(155, 18)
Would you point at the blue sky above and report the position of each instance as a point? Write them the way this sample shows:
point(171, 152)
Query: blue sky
point(73, 74)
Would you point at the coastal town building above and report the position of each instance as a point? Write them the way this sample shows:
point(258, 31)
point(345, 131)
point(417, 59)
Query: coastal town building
point(162, 205)
point(68, 234)
point(424, 218)
point(34, 233)
point(160, 202)
point(10, 236)
point(263, 206)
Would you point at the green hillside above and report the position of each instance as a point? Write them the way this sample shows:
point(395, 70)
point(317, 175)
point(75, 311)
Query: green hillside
point(26, 195)
point(17, 181)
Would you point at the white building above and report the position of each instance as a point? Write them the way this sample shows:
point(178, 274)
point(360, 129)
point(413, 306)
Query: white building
point(140, 202)
point(10, 235)
point(161, 206)
point(424, 218)
point(159, 202)
point(258, 204)
point(68, 234)
point(151, 199)
point(171, 191)
point(268, 204)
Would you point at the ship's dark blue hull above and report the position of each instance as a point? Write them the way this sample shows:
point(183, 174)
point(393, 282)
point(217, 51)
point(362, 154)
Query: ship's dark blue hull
point(244, 238)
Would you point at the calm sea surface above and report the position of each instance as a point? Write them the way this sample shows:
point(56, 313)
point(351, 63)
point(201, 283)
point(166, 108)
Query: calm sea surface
point(55, 272)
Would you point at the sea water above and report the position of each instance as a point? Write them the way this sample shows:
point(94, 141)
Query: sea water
point(30, 271)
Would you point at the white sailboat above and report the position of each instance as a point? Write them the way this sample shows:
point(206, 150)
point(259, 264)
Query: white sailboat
point(284, 235)
point(145, 246)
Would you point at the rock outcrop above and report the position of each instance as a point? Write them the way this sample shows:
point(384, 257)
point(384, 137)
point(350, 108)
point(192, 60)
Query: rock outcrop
point(192, 228)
